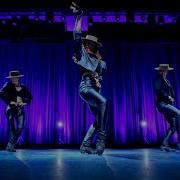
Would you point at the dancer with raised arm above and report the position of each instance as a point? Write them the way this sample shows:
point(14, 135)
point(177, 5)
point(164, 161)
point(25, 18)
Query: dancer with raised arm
point(88, 57)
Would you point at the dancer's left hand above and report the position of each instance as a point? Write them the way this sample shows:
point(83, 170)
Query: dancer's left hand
point(171, 99)
point(21, 104)
point(98, 55)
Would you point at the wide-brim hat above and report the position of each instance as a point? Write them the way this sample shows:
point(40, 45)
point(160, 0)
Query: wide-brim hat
point(93, 39)
point(14, 74)
point(164, 67)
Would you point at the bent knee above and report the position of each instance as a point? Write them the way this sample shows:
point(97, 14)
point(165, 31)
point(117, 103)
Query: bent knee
point(20, 129)
point(173, 129)
point(103, 101)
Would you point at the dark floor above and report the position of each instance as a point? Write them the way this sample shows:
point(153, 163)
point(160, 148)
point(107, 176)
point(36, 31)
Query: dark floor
point(67, 164)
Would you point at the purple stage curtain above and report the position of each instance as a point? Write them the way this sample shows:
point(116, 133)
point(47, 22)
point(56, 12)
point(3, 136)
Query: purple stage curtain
point(57, 114)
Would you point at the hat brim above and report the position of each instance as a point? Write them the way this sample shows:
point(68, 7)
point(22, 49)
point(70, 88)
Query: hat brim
point(160, 69)
point(98, 43)
point(10, 77)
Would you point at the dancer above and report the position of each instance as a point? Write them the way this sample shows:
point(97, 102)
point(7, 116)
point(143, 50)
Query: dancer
point(87, 56)
point(165, 104)
point(16, 96)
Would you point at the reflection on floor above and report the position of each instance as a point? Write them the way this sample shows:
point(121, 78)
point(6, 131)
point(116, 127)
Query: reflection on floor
point(69, 164)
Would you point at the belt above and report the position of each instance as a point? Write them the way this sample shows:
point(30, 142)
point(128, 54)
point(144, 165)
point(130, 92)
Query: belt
point(94, 76)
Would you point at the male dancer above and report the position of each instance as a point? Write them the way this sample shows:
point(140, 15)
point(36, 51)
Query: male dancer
point(165, 104)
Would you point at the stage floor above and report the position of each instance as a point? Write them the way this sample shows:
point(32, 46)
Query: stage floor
point(69, 164)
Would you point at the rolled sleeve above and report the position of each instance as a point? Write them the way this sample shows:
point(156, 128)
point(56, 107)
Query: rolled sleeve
point(77, 44)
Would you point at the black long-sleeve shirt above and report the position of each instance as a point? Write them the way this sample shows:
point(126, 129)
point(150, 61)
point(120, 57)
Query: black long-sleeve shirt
point(163, 90)
point(9, 93)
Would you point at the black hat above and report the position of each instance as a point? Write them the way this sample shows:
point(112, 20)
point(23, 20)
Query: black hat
point(164, 67)
point(14, 74)
point(92, 38)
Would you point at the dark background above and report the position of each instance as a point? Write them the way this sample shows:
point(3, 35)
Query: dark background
point(168, 5)
point(43, 51)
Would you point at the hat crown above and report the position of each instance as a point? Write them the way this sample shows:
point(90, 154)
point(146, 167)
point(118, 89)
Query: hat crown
point(14, 73)
point(164, 67)
point(92, 38)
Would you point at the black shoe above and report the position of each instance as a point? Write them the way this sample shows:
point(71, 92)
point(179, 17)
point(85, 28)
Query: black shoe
point(178, 147)
point(100, 146)
point(166, 148)
point(165, 144)
point(87, 150)
point(100, 143)
point(10, 147)
point(86, 146)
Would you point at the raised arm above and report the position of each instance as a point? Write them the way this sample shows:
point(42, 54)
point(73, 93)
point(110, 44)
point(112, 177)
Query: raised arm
point(77, 32)
point(78, 23)
point(76, 10)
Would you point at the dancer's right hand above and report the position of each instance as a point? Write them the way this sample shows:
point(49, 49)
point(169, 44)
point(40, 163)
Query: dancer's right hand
point(76, 9)
point(171, 99)
point(75, 59)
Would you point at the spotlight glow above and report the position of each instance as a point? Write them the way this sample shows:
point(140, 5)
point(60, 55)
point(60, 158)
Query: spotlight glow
point(60, 124)
point(143, 123)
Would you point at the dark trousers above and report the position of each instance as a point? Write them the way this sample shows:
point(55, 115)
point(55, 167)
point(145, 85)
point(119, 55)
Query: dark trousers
point(13, 115)
point(172, 115)
point(97, 102)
